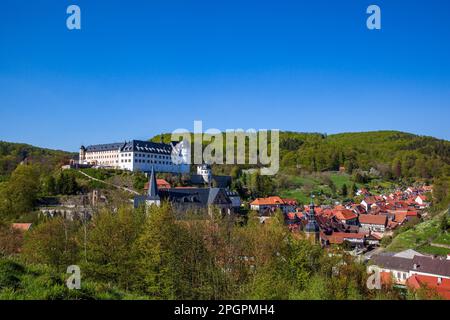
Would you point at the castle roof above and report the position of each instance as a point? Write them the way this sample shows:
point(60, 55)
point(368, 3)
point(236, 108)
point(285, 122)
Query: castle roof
point(133, 146)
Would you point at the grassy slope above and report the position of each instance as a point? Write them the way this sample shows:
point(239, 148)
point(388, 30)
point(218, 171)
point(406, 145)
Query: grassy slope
point(304, 184)
point(420, 238)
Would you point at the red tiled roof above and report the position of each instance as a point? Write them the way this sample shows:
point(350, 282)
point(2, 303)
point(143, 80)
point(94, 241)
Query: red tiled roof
point(373, 219)
point(393, 224)
point(327, 213)
point(369, 200)
point(430, 282)
point(339, 237)
point(21, 226)
point(275, 200)
point(161, 184)
point(291, 215)
point(344, 214)
point(422, 197)
point(400, 217)
point(267, 201)
point(291, 202)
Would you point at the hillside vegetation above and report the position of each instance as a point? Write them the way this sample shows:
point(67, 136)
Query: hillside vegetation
point(394, 154)
point(380, 160)
point(428, 237)
point(11, 154)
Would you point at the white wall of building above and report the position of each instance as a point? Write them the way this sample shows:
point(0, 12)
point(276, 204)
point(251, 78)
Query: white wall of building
point(136, 161)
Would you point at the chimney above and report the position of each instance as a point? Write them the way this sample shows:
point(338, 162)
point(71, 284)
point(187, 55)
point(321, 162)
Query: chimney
point(439, 281)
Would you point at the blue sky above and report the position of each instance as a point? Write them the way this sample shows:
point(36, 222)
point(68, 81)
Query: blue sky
point(138, 68)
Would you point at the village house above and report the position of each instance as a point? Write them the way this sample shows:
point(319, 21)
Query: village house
point(421, 200)
point(410, 268)
point(338, 238)
point(374, 223)
point(271, 204)
point(439, 286)
point(359, 225)
point(371, 202)
point(363, 192)
point(346, 216)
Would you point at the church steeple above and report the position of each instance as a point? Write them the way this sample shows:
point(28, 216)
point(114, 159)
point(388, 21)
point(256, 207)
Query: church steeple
point(312, 229)
point(152, 186)
point(152, 194)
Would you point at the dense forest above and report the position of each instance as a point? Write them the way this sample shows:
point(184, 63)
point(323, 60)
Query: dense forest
point(11, 154)
point(379, 159)
point(394, 154)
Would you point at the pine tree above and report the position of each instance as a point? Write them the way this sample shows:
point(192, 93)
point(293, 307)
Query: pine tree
point(344, 190)
point(354, 189)
point(49, 186)
point(444, 223)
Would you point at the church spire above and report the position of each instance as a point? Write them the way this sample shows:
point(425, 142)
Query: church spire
point(312, 227)
point(152, 186)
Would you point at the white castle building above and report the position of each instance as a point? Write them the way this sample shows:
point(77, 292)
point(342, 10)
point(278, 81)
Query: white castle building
point(138, 155)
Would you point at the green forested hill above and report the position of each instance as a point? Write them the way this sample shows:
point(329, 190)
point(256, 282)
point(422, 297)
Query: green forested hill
point(394, 154)
point(11, 154)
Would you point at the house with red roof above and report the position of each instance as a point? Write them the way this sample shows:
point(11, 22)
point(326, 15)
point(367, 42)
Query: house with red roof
point(371, 202)
point(161, 183)
point(346, 216)
point(271, 204)
point(363, 192)
point(436, 285)
point(373, 223)
point(409, 263)
point(338, 238)
point(421, 200)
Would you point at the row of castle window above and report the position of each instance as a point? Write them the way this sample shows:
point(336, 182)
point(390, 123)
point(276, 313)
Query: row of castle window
point(129, 155)
point(102, 157)
point(151, 161)
point(142, 155)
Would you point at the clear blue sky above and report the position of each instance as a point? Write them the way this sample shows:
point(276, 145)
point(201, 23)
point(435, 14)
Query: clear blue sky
point(138, 68)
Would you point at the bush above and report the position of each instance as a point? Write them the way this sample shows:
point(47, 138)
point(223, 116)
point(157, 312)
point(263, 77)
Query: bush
point(386, 241)
point(9, 274)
